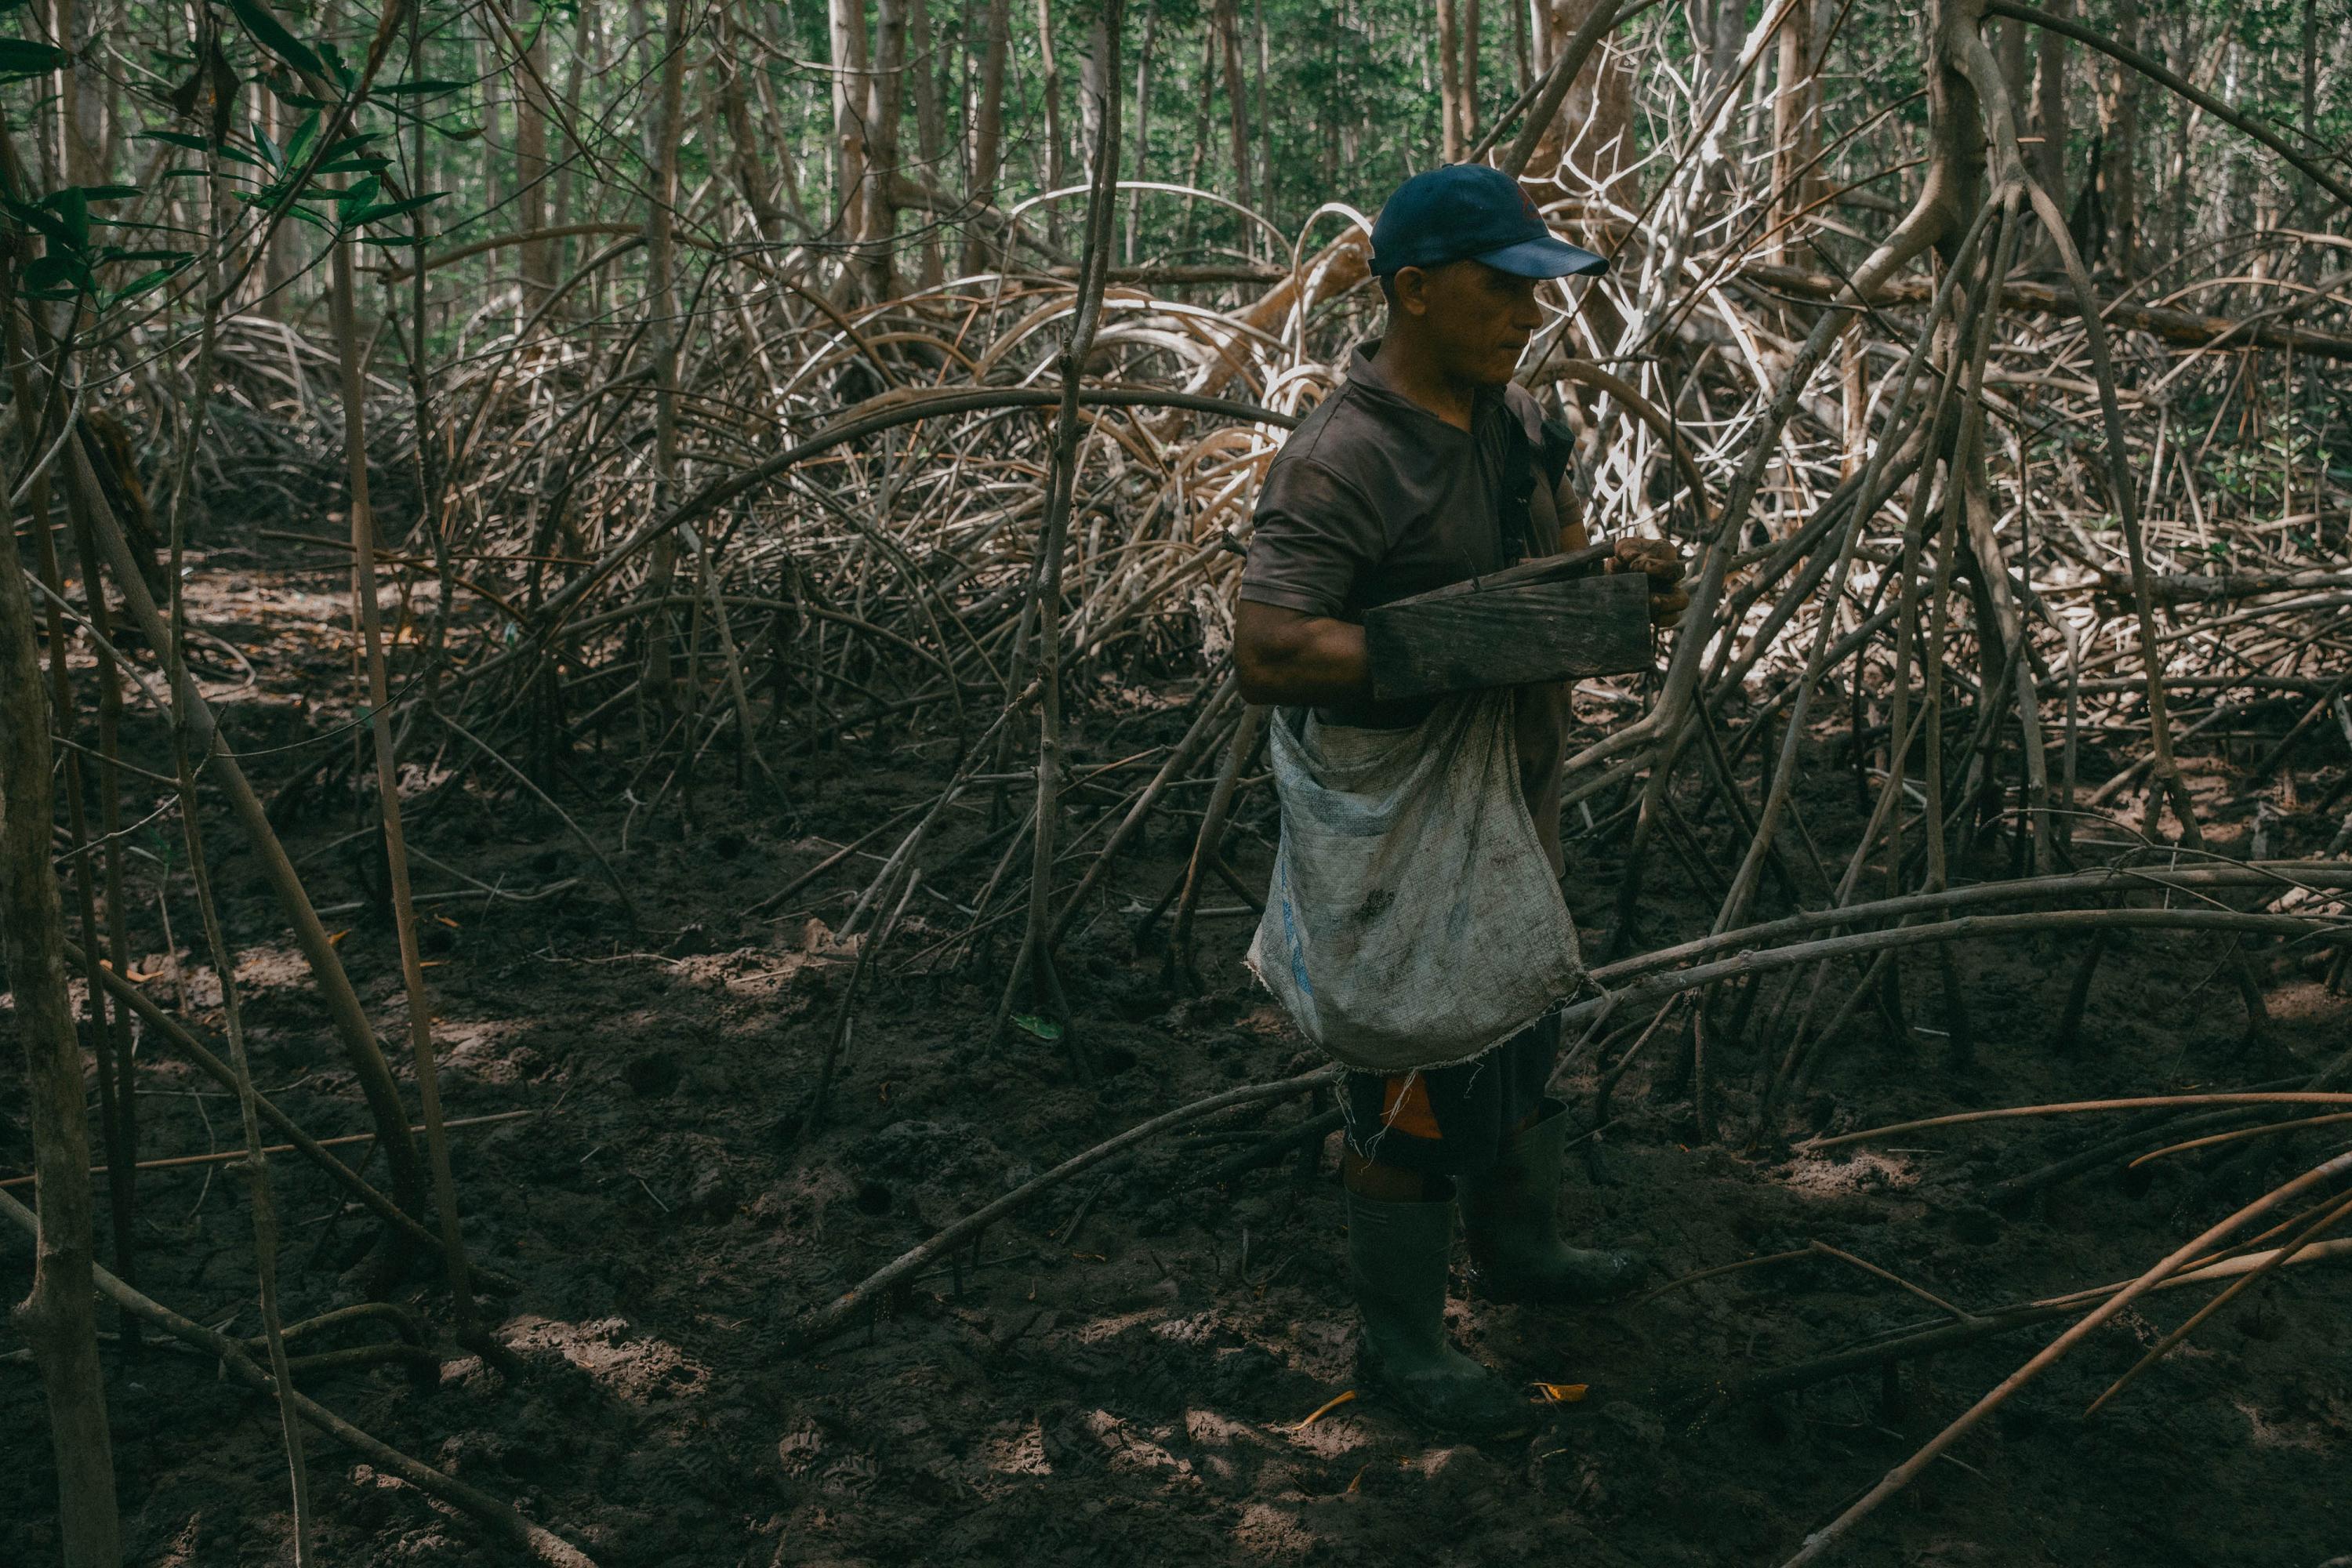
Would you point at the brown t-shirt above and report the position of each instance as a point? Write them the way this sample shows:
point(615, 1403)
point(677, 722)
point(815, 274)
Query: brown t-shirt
point(1375, 499)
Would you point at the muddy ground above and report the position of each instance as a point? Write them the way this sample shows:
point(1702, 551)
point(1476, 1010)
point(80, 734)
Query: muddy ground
point(1121, 1375)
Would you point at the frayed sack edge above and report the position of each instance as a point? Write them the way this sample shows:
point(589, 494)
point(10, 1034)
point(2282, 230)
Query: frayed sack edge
point(1250, 961)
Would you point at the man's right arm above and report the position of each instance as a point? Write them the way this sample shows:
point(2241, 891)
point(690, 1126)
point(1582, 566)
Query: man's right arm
point(1316, 536)
point(1291, 658)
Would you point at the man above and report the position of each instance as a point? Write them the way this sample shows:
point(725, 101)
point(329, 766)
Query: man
point(1426, 468)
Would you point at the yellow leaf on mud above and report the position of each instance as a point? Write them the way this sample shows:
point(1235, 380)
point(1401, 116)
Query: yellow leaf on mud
point(1324, 1409)
point(335, 939)
point(1563, 1392)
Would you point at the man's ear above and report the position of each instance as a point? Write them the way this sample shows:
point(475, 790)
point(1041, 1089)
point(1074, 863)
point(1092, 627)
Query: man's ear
point(1411, 290)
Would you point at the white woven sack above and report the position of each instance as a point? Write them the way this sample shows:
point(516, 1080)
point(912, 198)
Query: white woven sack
point(1412, 920)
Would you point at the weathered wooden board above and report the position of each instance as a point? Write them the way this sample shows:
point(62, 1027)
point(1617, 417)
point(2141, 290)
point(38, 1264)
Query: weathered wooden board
point(1508, 631)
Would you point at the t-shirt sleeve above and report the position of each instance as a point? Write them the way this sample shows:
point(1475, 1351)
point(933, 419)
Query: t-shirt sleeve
point(1313, 540)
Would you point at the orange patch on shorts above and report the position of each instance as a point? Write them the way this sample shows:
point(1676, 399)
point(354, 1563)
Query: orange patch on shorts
point(1404, 1107)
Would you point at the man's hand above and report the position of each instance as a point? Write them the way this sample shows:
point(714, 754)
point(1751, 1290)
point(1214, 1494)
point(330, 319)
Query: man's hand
point(1663, 565)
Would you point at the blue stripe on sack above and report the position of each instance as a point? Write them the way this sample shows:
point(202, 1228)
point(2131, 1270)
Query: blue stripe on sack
point(1290, 930)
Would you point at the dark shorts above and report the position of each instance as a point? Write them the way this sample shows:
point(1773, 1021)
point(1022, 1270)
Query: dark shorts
point(1452, 1121)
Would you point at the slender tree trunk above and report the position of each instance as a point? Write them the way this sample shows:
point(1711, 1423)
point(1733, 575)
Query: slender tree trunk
point(2119, 147)
point(567, 184)
point(1449, 81)
point(81, 103)
point(58, 1318)
point(849, 129)
point(988, 132)
point(661, 252)
point(387, 780)
point(1794, 99)
point(1142, 163)
point(1055, 171)
point(1091, 96)
point(743, 146)
point(931, 126)
point(878, 224)
point(530, 161)
point(1036, 948)
point(280, 266)
point(1201, 116)
point(2050, 110)
point(1469, 71)
point(1229, 50)
point(1265, 183)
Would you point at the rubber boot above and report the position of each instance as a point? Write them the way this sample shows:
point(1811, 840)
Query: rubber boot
point(1511, 1215)
point(1397, 1257)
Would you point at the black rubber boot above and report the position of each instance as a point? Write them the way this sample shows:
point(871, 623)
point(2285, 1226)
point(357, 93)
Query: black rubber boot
point(1397, 1255)
point(1511, 1215)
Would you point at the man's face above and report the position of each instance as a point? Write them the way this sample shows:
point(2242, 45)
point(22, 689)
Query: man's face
point(1477, 320)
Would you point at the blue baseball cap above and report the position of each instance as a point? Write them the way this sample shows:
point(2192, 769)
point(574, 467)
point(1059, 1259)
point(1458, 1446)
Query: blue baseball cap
point(1469, 212)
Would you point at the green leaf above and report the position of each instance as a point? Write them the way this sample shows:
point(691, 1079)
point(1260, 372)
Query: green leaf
point(383, 210)
point(457, 133)
point(304, 134)
point(106, 193)
point(20, 57)
point(51, 227)
point(142, 284)
point(1043, 1028)
point(392, 239)
point(421, 86)
point(57, 270)
point(271, 33)
point(176, 139)
point(350, 203)
point(72, 206)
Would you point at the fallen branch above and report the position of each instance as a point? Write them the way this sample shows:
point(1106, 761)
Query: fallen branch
point(831, 1318)
point(543, 1545)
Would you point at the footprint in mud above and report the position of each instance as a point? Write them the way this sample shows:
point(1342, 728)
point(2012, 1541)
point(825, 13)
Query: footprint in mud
point(851, 1476)
point(798, 1451)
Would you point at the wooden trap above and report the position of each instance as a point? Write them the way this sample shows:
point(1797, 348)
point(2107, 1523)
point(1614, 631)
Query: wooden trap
point(1554, 619)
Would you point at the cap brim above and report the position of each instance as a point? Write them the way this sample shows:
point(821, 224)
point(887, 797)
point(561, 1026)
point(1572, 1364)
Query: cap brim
point(1546, 257)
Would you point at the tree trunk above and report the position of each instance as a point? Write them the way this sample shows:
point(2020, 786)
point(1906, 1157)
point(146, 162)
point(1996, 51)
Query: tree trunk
point(988, 132)
point(1229, 49)
point(82, 97)
point(1586, 152)
point(1142, 125)
point(1050, 74)
point(661, 267)
point(2050, 110)
point(58, 1318)
point(1794, 135)
point(734, 61)
point(878, 224)
point(2119, 148)
point(567, 183)
point(1264, 185)
point(1449, 81)
point(531, 165)
point(849, 73)
point(1469, 71)
point(931, 126)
